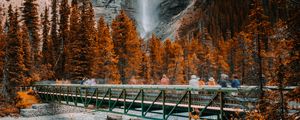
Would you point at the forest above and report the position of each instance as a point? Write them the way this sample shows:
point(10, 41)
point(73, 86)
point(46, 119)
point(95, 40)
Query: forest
point(259, 43)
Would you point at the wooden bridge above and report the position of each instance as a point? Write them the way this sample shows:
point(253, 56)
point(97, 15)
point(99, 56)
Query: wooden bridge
point(170, 100)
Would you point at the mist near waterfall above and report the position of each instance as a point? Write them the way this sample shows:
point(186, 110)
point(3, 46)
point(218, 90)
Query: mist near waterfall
point(148, 15)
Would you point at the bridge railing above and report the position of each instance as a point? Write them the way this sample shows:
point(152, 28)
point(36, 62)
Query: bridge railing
point(167, 100)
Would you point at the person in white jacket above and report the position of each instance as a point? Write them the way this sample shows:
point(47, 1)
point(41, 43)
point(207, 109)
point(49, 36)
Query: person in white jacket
point(194, 82)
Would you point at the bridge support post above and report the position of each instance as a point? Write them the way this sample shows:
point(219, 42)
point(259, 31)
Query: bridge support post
point(60, 95)
point(189, 103)
point(75, 102)
point(221, 104)
point(142, 103)
point(124, 103)
point(49, 99)
point(47, 93)
point(97, 95)
point(85, 97)
point(44, 93)
point(109, 99)
point(163, 101)
point(68, 91)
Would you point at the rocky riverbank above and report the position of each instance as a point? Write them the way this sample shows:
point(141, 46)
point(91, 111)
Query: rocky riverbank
point(63, 112)
point(73, 116)
point(66, 112)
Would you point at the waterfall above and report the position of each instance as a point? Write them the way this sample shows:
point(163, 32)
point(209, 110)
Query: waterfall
point(148, 15)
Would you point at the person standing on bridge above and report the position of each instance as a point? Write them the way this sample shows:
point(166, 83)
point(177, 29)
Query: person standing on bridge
point(83, 81)
point(194, 82)
point(165, 80)
point(235, 83)
point(202, 82)
point(133, 81)
point(223, 81)
point(211, 82)
point(93, 81)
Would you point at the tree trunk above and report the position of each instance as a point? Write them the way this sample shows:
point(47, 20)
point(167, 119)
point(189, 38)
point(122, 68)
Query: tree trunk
point(5, 82)
point(259, 73)
point(280, 85)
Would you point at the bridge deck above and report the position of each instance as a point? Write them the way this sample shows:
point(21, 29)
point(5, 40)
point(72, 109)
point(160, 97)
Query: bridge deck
point(170, 99)
point(150, 102)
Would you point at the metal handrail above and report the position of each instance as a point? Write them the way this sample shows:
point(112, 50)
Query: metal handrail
point(148, 97)
point(170, 87)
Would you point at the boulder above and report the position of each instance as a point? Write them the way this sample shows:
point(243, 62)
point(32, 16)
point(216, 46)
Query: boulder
point(29, 112)
point(114, 117)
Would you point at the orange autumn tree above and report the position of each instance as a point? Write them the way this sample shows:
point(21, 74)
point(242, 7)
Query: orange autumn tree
point(258, 30)
point(145, 72)
point(193, 59)
point(233, 48)
point(184, 43)
point(30, 76)
point(102, 41)
point(205, 54)
point(167, 51)
point(244, 59)
point(73, 40)
point(133, 51)
point(63, 33)
point(54, 34)
point(92, 39)
point(269, 55)
point(2, 47)
point(221, 65)
point(200, 51)
point(119, 36)
point(156, 58)
point(46, 71)
point(107, 60)
point(30, 17)
point(83, 47)
point(127, 46)
point(190, 57)
point(46, 51)
point(14, 68)
point(175, 66)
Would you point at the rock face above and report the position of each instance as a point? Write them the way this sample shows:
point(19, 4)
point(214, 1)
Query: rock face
point(169, 13)
point(107, 8)
point(170, 8)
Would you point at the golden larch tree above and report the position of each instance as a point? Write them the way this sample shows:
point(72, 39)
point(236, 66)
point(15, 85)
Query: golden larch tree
point(64, 12)
point(145, 73)
point(107, 61)
point(156, 58)
point(31, 19)
point(167, 55)
point(14, 68)
point(175, 65)
point(127, 46)
point(73, 39)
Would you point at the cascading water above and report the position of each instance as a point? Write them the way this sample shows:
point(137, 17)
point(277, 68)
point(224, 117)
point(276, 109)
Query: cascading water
point(148, 15)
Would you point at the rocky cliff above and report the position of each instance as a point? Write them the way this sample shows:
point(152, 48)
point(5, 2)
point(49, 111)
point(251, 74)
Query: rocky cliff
point(163, 16)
